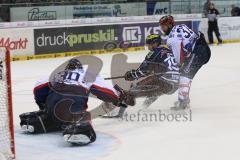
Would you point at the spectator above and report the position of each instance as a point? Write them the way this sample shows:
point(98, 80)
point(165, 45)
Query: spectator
point(205, 7)
point(213, 24)
point(235, 11)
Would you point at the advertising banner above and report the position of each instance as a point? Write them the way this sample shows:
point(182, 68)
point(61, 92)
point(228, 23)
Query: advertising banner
point(95, 21)
point(158, 8)
point(76, 11)
point(19, 41)
point(40, 13)
point(70, 39)
point(67, 39)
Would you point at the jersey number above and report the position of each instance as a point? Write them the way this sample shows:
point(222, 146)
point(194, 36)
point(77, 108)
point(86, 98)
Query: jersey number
point(186, 30)
point(72, 76)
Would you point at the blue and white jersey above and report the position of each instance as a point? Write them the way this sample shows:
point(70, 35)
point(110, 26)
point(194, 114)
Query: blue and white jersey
point(81, 80)
point(74, 82)
point(181, 40)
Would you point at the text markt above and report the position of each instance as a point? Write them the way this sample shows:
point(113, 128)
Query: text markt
point(21, 43)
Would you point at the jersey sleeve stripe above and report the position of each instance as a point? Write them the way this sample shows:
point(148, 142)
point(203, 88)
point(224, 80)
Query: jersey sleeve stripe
point(105, 90)
point(40, 87)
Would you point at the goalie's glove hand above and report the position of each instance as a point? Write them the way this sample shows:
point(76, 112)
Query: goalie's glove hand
point(131, 75)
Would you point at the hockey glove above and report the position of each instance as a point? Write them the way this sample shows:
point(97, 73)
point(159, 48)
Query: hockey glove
point(131, 75)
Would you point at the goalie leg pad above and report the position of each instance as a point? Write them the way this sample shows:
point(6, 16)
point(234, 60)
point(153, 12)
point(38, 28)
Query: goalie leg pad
point(38, 122)
point(81, 133)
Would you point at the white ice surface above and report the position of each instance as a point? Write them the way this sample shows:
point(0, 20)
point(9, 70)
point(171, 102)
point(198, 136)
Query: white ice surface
point(213, 133)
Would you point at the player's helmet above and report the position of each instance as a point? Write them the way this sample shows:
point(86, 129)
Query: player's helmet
point(167, 20)
point(152, 38)
point(73, 64)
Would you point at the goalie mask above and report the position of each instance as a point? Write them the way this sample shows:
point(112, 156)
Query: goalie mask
point(73, 64)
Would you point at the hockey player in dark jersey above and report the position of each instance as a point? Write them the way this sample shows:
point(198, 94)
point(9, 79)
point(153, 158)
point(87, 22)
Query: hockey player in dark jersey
point(212, 16)
point(63, 104)
point(159, 70)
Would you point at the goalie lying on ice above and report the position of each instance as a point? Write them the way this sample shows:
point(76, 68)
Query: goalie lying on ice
point(63, 104)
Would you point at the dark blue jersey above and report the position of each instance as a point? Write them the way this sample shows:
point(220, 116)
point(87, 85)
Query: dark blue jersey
point(160, 60)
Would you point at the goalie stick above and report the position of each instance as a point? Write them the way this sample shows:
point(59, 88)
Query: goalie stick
point(102, 109)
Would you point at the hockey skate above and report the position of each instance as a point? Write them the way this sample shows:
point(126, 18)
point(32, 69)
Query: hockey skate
point(148, 101)
point(181, 105)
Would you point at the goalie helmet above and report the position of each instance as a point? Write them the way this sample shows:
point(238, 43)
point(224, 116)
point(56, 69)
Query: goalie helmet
point(73, 64)
point(153, 38)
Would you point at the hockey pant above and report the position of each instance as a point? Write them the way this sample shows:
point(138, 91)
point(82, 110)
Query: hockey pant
point(213, 27)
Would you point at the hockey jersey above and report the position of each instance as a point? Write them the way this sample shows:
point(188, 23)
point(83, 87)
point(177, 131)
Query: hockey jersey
point(73, 83)
point(181, 40)
point(160, 60)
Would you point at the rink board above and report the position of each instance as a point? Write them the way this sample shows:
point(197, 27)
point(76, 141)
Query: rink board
point(27, 43)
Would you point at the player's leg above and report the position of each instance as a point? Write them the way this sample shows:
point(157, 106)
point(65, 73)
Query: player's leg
point(210, 32)
point(70, 112)
point(161, 86)
point(65, 108)
point(38, 122)
point(217, 33)
point(42, 121)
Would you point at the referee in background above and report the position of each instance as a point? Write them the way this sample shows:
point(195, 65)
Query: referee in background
point(213, 24)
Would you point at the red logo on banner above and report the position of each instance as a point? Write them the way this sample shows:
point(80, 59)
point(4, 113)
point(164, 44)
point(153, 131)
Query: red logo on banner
point(14, 45)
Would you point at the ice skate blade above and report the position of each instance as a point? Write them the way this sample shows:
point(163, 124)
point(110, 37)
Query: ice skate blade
point(177, 108)
point(112, 117)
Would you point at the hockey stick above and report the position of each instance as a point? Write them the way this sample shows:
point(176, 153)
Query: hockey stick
point(102, 109)
point(154, 74)
point(105, 108)
point(119, 115)
point(117, 77)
